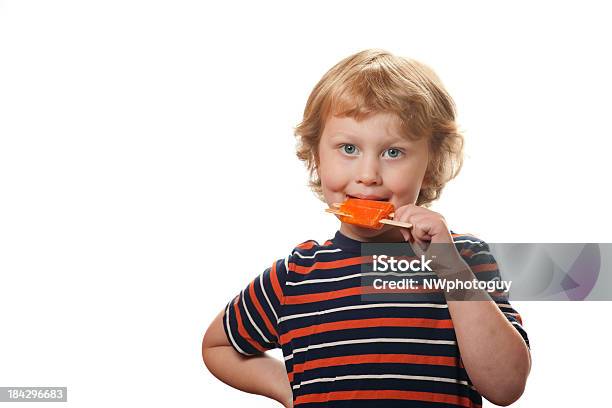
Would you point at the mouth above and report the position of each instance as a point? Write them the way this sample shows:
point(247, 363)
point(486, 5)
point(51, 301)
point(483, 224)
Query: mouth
point(366, 197)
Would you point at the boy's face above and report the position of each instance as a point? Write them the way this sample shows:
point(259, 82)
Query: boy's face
point(370, 159)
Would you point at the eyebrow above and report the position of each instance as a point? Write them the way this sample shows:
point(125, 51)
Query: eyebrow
point(385, 139)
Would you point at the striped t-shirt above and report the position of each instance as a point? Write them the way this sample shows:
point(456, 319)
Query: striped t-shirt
point(342, 351)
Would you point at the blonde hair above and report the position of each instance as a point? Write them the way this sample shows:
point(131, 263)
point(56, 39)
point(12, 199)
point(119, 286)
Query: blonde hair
point(376, 81)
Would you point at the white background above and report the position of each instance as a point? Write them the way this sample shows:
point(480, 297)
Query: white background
point(147, 173)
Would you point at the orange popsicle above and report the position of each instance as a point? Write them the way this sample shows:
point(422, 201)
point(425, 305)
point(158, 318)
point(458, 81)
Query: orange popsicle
point(365, 213)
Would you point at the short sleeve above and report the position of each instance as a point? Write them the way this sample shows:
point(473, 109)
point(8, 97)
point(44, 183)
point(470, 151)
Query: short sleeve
point(251, 319)
point(483, 264)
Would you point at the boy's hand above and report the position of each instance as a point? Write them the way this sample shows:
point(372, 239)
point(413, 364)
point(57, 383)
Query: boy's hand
point(259, 374)
point(429, 227)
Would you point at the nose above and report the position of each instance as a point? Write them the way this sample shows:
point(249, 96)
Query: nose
point(368, 172)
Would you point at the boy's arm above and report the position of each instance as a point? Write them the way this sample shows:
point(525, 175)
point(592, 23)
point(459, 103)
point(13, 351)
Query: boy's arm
point(259, 374)
point(493, 352)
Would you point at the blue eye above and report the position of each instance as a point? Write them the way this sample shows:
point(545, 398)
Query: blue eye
point(349, 148)
point(393, 153)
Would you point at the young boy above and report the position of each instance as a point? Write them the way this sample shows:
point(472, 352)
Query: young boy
point(377, 127)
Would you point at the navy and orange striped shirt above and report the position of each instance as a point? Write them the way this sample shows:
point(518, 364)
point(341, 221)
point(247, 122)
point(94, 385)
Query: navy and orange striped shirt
point(340, 350)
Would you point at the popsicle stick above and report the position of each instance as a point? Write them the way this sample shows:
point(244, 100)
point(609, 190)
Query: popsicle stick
point(396, 223)
point(334, 211)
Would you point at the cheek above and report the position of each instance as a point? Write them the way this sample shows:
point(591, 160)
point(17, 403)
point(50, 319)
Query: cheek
point(405, 182)
point(332, 178)
point(331, 172)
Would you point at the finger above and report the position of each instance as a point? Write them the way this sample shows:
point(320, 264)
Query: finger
point(406, 211)
point(403, 215)
point(399, 213)
point(421, 228)
point(422, 244)
point(418, 245)
point(421, 237)
point(406, 234)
